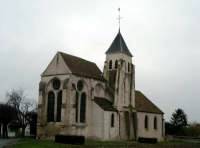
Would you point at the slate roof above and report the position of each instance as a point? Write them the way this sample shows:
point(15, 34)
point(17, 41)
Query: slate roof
point(143, 104)
point(118, 46)
point(104, 104)
point(81, 67)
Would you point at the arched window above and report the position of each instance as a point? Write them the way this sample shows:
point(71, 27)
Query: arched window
point(56, 83)
point(110, 64)
point(155, 123)
point(59, 106)
point(83, 108)
point(116, 64)
point(50, 106)
point(77, 106)
point(112, 120)
point(128, 67)
point(146, 122)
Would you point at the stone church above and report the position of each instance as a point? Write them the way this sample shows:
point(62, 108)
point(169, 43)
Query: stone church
point(77, 98)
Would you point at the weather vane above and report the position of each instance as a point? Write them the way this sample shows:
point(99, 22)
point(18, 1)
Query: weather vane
point(119, 17)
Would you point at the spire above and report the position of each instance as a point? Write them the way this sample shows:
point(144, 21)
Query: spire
point(119, 18)
point(118, 46)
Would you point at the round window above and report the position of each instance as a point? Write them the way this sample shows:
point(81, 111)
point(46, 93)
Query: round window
point(56, 84)
point(80, 85)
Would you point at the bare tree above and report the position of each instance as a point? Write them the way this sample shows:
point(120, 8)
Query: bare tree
point(23, 105)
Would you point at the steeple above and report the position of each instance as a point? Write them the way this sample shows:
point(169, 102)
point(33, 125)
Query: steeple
point(118, 46)
point(119, 72)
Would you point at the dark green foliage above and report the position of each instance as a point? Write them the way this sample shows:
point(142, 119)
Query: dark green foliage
point(177, 124)
point(33, 123)
point(193, 130)
point(178, 121)
point(179, 118)
point(7, 115)
point(169, 128)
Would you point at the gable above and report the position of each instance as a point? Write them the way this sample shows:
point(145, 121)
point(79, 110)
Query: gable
point(143, 104)
point(56, 67)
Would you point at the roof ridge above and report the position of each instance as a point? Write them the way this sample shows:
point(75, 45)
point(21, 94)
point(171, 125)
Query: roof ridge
point(76, 57)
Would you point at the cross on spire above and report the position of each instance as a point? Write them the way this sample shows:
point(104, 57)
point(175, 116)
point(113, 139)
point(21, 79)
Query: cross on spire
point(119, 18)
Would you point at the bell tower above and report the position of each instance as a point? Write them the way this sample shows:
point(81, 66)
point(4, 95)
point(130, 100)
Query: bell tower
point(119, 71)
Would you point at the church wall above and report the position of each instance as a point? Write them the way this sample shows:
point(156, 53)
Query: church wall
point(94, 88)
point(123, 126)
point(97, 126)
point(124, 90)
point(48, 129)
point(111, 133)
point(150, 132)
point(86, 129)
point(125, 78)
point(68, 124)
point(123, 87)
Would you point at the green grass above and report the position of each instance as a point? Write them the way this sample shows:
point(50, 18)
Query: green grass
point(31, 143)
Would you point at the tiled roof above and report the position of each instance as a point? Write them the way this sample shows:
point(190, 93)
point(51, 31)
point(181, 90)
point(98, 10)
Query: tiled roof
point(104, 104)
point(81, 67)
point(119, 46)
point(143, 104)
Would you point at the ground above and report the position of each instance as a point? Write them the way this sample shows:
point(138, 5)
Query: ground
point(31, 143)
point(4, 142)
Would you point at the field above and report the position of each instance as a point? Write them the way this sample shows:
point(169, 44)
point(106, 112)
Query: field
point(31, 143)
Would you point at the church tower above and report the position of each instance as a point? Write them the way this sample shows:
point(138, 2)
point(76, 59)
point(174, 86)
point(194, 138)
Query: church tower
point(120, 74)
point(119, 71)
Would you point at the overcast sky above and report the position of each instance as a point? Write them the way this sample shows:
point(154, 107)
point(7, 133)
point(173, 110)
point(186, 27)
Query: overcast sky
point(163, 36)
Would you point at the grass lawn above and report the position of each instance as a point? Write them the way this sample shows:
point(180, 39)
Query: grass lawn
point(32, 143)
